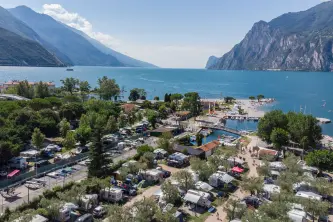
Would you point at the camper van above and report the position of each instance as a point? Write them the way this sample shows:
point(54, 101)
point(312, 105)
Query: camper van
point(18, 163)
point(111, 194)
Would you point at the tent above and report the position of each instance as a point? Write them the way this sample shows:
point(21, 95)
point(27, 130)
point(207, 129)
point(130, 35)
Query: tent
point(237, 169)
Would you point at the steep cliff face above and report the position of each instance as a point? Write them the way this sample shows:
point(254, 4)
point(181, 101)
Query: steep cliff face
point(294, 41)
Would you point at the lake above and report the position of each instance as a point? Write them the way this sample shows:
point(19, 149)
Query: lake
point(292, 90)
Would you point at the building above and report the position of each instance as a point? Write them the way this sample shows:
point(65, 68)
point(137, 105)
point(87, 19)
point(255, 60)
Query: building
point(189, 150)
point(129, 107)
point(10, 84)
point(183, 115)
point(210, 147)
point(159, 131)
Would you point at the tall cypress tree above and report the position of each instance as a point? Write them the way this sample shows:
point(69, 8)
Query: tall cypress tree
point(99, 160)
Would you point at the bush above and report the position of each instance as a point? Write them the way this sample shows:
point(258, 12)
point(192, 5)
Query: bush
point(38, 104)
point(323, 159)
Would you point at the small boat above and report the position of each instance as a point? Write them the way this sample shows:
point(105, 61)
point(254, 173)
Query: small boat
point(69, 69)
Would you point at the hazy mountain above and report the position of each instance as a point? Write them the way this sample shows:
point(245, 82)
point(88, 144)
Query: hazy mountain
point(77, 48)
point(126, 60)
point(11, 23)
point(293, 41)
point(16, 50)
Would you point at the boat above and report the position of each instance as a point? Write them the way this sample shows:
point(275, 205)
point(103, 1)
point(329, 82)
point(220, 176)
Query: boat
point(70, 69)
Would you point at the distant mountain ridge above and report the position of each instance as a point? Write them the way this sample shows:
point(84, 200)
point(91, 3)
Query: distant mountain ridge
point(77, 46)
point(126, 60)
point(16, 50)
point(293, 41)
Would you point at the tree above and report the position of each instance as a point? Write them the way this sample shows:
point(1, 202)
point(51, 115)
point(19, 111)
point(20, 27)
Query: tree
point(192, 103)
point(279, 137)
point(82, 134)
point(111, 125)
point(71, 111)
point(275, 211)
point(252, 184)
point(108, 88)
point(170, 192)
point(202, 168)
point(315, 207)
point(199, 138)
point(42, 90)
point(145, 210)
point(164, 142)
point(176, 97)
point(99, 161)
point(69, 84)
point(260, 97)
point(144, 149)
point(148, 158)
point(134, 95)
point(38, 138)
point(156, 98)
point(323, 186)
point(122, 121)
point(229, 99)
point(152, 117)
point(235, 209)
point(252, 98)
point(301, 126)
point(270, 121)
point(322, 159)
point(25, 89)
point(69, 141)
point(117, 213)
point(38, 104)
point(64, 127)
point(139, 116)
point(167, 98)
point(84, 88)
point(185, 179)
point(84, 120)
point(163, 113)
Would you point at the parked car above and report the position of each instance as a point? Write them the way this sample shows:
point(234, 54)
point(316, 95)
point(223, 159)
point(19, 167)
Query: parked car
point(3, 173)
point(326, 176)
point(85, 218)
point(42, 163)
point(99, 212)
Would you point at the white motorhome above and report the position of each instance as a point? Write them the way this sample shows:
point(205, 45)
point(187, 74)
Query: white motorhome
point(111, 194)
point(18, 163)
point(198, 198)
point(89, 201)
point(309, 195)
point(220, 178)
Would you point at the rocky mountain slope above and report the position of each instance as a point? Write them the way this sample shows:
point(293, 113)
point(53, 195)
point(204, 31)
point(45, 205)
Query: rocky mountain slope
point(79, 50)
point(293, 41)
point(16, 50)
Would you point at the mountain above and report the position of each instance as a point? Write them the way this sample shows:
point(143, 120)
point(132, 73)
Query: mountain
point(78, 49)
point(293, 41)
point(11, 23)
point(16, 50)
point(126, 60)
point(211, 61)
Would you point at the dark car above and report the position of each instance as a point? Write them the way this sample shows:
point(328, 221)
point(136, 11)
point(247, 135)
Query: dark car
point(327, 177)
point(85, 218)
point(41, 163)
point(252, 201)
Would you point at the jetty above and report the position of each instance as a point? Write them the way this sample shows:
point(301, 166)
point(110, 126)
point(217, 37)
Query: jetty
point(211, 125)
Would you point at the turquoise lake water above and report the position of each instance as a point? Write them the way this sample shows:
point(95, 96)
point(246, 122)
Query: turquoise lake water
point(292, 90)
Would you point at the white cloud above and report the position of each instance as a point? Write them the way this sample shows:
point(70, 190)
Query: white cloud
point(163, 54)
point(78, 22)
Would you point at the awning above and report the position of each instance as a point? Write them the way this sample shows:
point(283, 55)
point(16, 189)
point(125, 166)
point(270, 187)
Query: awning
point(13, 173)
point(237, 169)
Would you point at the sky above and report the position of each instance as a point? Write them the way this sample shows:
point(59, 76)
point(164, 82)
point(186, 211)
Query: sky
point(167, 33)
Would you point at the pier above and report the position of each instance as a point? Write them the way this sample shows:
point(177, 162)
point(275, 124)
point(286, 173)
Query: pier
point(211, 125)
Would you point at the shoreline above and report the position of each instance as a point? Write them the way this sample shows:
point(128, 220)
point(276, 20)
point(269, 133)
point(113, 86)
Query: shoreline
point(253, 108)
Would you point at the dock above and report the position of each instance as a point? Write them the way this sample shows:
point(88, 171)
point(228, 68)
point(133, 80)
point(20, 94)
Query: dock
point(210, 125)
point(323, 120)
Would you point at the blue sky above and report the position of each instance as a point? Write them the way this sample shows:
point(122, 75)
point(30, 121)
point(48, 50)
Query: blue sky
point(169, 33)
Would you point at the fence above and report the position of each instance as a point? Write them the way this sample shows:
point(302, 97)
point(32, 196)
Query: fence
point(28, 195)
point(41, 171)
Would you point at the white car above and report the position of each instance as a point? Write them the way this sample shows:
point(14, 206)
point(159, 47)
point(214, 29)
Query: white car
point(3, 173)
point(53, 147)
point(53, 174)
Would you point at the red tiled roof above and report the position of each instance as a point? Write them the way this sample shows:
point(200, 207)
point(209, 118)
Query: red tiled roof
point(268, 152)
point(128, 107)
point(210, 145)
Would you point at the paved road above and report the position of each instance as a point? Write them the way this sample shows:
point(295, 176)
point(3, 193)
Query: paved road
point(24, 194)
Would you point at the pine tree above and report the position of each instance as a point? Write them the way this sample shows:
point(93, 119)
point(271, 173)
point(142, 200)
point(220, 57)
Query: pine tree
point(99, 160)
